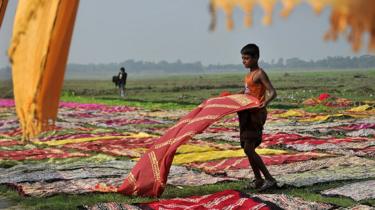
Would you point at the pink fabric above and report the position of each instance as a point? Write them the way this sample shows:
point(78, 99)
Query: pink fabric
point(6, 103)
point(355, 127)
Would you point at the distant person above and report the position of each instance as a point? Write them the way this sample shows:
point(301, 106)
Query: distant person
point(121, 81)
point(251, 121)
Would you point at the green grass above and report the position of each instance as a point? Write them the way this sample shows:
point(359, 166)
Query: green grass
point(292, 87)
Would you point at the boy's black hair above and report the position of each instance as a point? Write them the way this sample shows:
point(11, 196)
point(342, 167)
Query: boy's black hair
point(122, 69)
point(251, 49)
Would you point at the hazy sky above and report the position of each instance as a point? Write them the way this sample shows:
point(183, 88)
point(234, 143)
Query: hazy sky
point(117, 30)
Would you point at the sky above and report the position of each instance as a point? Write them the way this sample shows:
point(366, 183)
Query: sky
point(118, 30)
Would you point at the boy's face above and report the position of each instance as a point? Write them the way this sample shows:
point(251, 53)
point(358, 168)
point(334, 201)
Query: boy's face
point(248, 61)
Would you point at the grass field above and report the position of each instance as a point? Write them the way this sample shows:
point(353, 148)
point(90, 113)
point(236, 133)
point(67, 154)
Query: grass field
point(185, 92)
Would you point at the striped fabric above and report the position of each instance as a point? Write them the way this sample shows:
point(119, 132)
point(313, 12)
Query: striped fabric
point(149, 176)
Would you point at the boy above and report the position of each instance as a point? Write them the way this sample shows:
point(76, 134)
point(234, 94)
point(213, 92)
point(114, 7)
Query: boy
point(252, 121)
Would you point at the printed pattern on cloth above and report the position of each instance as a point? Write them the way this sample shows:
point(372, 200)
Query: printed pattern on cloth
point(160, 156)
point(357, 191)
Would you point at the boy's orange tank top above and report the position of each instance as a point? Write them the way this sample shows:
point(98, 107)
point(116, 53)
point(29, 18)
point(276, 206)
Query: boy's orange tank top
point(258, 90)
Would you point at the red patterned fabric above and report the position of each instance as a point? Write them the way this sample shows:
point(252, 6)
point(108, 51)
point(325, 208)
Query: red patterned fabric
point(120, 147)
point(38, 154)
point(288, 139)
point(7, 143)
point(324, 96)
point(149, 176)
point(284, 138)
point(219, 166)
point(227, 199)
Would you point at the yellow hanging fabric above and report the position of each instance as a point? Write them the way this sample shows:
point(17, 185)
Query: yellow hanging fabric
point(3, 6)
point(351, 17)
point(38, 53)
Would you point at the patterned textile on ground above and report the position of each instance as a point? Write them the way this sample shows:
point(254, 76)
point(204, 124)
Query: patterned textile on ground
point(8, 124)
point(122, 122)
point(227, 199)
point(7, 143)
point(363, 132)
point(357, 191)
point(39, 154)
point(306, 166)
point(355, 127)
point(327, 100)
point(48, 172)
point(214, 155)
point(120, 147)
point(338, 147)
point(100, 107)
point(361, 150)
point(75, 183)
point(299, 142)
point(157, 161)
point(299, 113)
point(289, 202)
point(99, 136)
point(76, 134)
point(73, 160)
point(220, 166)
point(364, 110)
point(75, 186)
point(135, 147)
point(327, 175)
point(225, 136)
point(203, 202)
point(358, 207)
point(111, 206)
point(313, 128)
point(329, 117)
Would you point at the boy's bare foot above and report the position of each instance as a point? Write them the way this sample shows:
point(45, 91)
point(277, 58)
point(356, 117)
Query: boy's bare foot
point(255, 184)
point(268, 184)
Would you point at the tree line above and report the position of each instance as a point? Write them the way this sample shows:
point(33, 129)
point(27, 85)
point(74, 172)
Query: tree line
point(133, 66)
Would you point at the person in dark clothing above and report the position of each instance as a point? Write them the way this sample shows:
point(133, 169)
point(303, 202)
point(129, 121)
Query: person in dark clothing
point(121, 82)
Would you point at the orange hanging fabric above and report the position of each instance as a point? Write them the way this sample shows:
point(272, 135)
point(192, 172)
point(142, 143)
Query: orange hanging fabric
point(3, 6)
point(38, 53)
point(353, 18)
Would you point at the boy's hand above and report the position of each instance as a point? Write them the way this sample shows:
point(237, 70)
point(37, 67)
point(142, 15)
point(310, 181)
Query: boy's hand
point(262, 105)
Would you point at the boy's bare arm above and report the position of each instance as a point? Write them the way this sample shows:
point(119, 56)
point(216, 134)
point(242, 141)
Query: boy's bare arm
point(271, 90)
